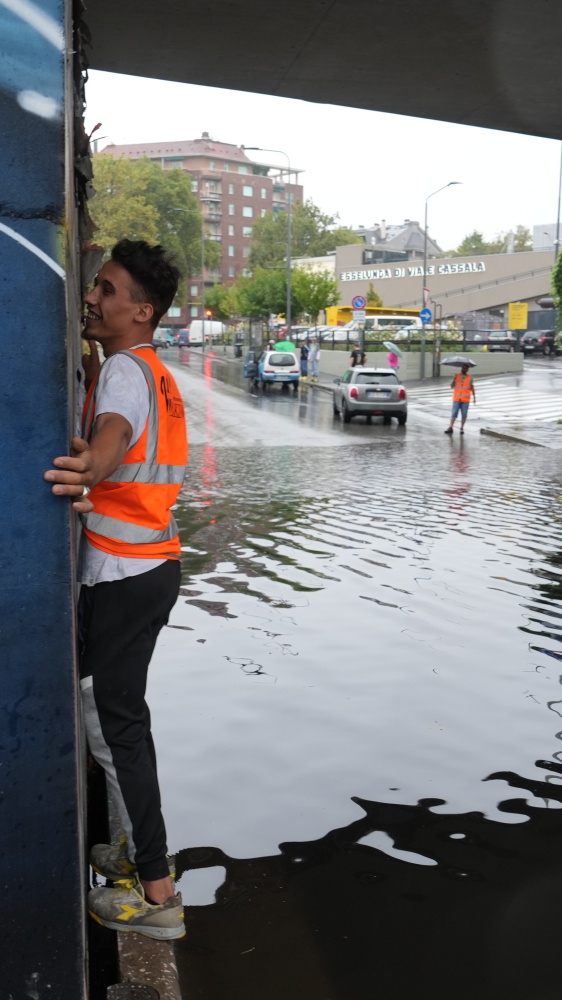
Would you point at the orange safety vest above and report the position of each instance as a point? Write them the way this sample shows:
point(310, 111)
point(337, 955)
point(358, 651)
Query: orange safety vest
point(132, 515)
point(462, 388)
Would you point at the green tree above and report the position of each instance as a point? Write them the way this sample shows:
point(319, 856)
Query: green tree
point(313, 291)
point(523, 239)
point(223, 300)
point(472, 244)
point(139, 200)
point(475, 243)
point(312, 235)
point(556, 285)
point(373, 299)
point(263, 293)
point(120, 207)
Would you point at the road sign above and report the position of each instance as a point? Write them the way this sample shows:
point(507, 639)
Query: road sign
point(425, 315)
point(359, 314)
point(359, 302)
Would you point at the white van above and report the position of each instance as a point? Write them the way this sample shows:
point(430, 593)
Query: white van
point(389, 321)
point(213, 330)
point(389, 325)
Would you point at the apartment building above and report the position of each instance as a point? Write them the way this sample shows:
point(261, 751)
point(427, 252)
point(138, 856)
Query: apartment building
point(233, 191)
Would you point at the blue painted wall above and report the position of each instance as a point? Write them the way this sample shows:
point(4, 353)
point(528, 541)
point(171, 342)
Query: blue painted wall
point(41, 876)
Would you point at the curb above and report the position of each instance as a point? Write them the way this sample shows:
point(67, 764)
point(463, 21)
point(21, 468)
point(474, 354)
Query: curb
point(143, 962)
point(511, 437)
point(146, 962)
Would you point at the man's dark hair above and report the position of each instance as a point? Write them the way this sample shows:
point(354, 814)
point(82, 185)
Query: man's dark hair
point(153, 273)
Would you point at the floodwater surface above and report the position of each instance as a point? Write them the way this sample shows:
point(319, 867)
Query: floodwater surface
point(357, 707)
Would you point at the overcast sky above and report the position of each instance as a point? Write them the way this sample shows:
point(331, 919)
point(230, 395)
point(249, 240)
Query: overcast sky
point(363, 165)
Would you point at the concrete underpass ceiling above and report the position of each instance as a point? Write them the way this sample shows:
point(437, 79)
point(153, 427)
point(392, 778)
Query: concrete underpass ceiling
point(494, 64)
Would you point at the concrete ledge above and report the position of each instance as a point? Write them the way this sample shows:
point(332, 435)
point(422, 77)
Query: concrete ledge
point(511, 437)
point(487, 363)
point(147, 962)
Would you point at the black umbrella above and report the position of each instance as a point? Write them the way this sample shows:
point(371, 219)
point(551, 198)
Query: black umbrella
point(457, 362)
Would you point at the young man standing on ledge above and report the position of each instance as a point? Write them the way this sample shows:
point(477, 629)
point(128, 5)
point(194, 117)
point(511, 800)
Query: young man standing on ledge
point(131, 461)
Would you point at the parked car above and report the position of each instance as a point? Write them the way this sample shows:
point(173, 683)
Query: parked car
point(502, 340)
point(370, 392)
point(183, 337)
point(282, 367)
point(539, 342)
point(163, 337)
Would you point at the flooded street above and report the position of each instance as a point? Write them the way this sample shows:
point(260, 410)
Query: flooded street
point(357, 706)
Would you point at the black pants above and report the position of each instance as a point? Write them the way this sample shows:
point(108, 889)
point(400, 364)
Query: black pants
point(119, 624)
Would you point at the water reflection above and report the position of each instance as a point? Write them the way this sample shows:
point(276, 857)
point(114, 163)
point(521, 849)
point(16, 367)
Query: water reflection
point(456, 905)
point(363, 635)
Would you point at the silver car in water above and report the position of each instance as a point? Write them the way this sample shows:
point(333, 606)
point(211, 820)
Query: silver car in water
point(370, 392)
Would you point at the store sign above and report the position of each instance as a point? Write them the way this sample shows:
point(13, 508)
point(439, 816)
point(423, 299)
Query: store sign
point(414, 271)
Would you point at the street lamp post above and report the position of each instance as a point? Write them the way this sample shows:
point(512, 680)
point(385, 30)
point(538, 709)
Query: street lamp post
point(422, 351)
point(263, 149)
point(193, 211)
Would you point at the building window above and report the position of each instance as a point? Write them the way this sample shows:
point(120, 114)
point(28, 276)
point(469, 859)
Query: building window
point(231, 271)
point(264, 192)
point(231, 188)
point(174, 311)
point(247, 211)
point(246, 231)
point(246, 252)
point(231, 251)
point(231, 209)
point(231, 230)
point(193, 290)
point(195, 185)
point(242, 170)
point(248, 191)
point(263, 213)
point(247, 273)
point(194, 310)
point(211, 164)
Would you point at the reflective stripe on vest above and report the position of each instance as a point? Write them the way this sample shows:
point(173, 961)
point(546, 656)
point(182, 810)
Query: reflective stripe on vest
point(462, 389)
point(135, 534)
point(147, 528)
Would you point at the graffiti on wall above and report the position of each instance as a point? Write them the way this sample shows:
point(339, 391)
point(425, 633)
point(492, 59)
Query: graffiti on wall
point(31, 98)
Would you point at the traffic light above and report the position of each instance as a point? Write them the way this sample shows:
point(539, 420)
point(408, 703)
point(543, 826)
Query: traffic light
point(208, 313)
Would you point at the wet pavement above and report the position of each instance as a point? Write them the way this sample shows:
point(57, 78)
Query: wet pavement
point(357, 705)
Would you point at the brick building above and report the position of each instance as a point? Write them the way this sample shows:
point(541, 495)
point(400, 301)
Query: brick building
point(233, 191)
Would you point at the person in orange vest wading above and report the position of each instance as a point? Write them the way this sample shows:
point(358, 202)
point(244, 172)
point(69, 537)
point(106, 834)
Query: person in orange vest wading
point(462, 386)
point(124, 475)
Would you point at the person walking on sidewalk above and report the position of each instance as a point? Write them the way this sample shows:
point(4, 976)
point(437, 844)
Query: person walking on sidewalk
point(357, 356)
point(131, 460)
point(393, 361)
point(462, 386)
point(305, 351)
point(314, 360)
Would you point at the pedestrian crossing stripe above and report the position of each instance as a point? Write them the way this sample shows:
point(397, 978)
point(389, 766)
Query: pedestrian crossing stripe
point(496, 400)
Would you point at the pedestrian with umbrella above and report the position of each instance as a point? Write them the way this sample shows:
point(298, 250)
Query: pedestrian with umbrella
point(393, 356)
point(462, 386)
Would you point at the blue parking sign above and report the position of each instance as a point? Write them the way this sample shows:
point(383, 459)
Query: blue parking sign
point(359, 302)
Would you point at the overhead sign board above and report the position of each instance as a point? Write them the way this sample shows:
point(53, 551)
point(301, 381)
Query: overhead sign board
point(517, 315)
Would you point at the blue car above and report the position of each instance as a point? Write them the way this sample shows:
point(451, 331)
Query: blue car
point(281, 367)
